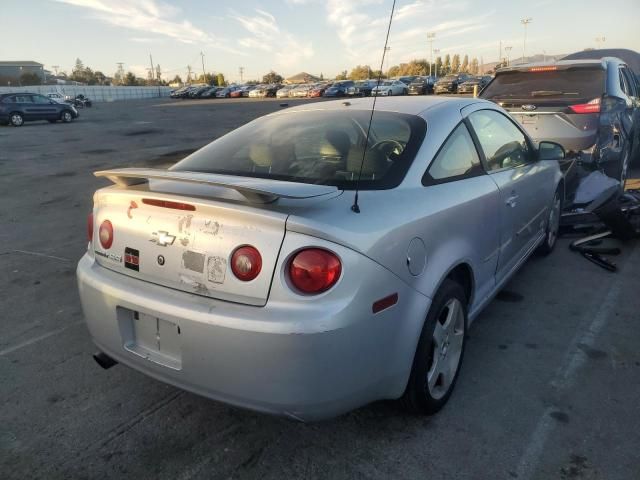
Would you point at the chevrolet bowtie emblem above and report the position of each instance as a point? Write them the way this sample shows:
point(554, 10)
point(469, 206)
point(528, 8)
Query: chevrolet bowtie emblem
point(162, 238)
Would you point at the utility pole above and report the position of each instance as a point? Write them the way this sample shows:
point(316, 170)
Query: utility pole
point(508, 50)
point(387, 55)
point(241, 74)
point(188, 73)
point(525, 22)
point(120, 72)
point(430, 37)
point(151, 75)
point(203, 74)
point(436, 51)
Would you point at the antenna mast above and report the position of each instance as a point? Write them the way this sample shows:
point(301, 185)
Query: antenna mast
point(355, 207)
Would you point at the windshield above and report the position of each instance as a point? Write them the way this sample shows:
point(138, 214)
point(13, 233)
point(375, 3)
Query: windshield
point(579, 83)
point(450, 78)
point(320, 147)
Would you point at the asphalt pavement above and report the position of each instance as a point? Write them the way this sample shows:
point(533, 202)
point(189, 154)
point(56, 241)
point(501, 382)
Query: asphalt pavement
point(549, 388)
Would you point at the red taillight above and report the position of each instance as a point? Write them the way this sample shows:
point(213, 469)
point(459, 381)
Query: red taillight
point(591, 107)
point(106, 234)
point(168, 204)
point(246, 263)
point(543, 69)
point(314, 270)
point(90, 227)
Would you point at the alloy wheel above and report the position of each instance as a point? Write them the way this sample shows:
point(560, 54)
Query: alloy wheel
point(447, 342)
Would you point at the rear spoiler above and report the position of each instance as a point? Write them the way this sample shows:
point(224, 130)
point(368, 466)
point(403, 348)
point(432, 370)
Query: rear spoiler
point(255, 190)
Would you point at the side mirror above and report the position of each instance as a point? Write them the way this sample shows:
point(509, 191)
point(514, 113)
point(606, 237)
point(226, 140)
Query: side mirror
point(550, 151)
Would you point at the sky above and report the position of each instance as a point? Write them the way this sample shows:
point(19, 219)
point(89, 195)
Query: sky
point(290, 36)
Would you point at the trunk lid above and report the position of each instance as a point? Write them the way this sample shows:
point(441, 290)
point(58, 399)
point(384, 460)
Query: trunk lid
point(181, 234)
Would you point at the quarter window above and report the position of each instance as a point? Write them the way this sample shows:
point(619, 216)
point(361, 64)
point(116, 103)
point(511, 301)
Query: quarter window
point(503, 144)
point(456, 159)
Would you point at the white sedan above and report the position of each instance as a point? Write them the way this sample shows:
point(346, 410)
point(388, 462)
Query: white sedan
point(390, 87)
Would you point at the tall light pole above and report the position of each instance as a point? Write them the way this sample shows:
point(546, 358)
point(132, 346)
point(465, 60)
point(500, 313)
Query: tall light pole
point(525, 22)
point(241, 74)
point(387, 56)
point(430, 37)
point(508, 50)
point(600, 40)
point(203, 74)
point(436, 51)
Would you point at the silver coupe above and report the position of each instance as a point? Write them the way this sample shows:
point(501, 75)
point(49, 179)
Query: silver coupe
point(306, 264)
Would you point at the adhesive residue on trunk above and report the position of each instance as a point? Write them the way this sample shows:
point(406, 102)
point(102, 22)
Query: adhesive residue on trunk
point(193, 261)
point(216, 269)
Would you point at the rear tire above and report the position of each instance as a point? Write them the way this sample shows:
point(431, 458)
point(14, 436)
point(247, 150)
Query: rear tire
point(553, 225)
point(16, 119)
point(440, 352)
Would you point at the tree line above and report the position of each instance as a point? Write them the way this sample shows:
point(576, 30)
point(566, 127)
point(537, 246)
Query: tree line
point(444, 66)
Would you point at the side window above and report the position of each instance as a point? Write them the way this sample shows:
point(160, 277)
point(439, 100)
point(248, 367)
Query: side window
point(23, 99)
point(623, 83)
point(40, 99)
point(631, 84)
point(456, 159)
point(10, 99)
point(503, 144)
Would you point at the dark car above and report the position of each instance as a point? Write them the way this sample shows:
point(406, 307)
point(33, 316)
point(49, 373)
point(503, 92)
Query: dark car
point(470, 85)
point(339, 89)
point(449, 83)
point(421, 86)
point(17, 108)
point(197, 91)
point(591, 107)
point(407, 79)
point(361, 88)
point(209, 92)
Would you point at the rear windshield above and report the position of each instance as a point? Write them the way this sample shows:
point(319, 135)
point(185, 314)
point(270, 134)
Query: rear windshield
point(579, 83)
point(319, 147)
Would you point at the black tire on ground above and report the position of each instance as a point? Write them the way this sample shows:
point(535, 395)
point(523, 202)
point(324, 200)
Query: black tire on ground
point(16, 119)
point(553, 225)
point(66, 116)
point(417, 397)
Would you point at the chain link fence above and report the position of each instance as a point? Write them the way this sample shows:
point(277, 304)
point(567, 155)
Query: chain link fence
point(95, 93)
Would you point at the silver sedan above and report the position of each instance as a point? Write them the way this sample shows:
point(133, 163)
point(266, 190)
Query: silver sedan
point(301, 267)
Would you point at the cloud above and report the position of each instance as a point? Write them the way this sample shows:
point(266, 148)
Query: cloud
point(266, 35)
point(361, 27)
point(148, 16)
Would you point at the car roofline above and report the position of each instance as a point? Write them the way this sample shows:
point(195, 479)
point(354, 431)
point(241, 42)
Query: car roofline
point(560, 65)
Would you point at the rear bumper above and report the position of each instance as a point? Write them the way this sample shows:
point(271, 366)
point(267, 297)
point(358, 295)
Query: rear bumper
point(296, 360)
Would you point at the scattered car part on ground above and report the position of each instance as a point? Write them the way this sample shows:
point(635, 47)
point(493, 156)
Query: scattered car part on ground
point(250, 244)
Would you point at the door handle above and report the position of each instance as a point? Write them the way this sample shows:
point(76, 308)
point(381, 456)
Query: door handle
point(512, 200)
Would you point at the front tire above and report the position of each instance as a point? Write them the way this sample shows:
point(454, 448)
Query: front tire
point(440, 351)
point(16, 119)
point(66, 116)
point(553, 225)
